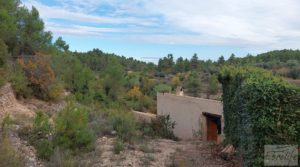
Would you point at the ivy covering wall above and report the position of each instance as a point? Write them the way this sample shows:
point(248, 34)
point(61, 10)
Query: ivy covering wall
point(259, 109)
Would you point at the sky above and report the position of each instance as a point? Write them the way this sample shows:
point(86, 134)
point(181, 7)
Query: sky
point(150, 29)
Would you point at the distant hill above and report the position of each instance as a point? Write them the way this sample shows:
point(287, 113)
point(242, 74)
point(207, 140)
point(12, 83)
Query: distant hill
point(97, 60)
point(283, 62)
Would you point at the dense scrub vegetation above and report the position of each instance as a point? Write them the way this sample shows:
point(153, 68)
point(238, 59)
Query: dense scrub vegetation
point(259, 109)
point(38, 66)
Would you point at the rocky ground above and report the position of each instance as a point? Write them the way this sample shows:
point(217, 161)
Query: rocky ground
point(25, 150)
point(156, 153)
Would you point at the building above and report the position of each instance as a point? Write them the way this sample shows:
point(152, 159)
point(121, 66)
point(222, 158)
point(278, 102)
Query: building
point(194, 117)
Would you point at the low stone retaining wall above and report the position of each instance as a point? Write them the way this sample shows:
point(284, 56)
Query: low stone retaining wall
point(144, 117)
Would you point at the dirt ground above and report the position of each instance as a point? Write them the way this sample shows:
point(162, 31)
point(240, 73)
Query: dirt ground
point(156, 153)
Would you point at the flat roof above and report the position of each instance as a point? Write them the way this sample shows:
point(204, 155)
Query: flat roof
point(199, 98)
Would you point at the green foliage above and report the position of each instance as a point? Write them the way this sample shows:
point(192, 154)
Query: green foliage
point(147, 85)
point(8, 26)
point(71, 128)
point(61, 45)
point(97, 61)
point(193, 84)
point(221, 60)
point(40, 135)
point(163, 126)
point(124, 124)
point(77, 78)
point(41, 126)
point(166, 64)
point(20, 83)
point(3, 53)
point(132, 80)
point(259, 109)
point(147, 104)
point(182, 65)
point(294, 72)
point(55, 90)
point(213, 85)
point(3, 77)
point(31, 31)
point(70, 132)
point(194, 63)
point(3, 60)
point(118, 146)
point(44, 148)
point(114, 80)
point(5, 125)
point(163, 88)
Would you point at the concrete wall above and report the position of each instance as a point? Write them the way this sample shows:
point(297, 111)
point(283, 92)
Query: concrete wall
point(187, 112)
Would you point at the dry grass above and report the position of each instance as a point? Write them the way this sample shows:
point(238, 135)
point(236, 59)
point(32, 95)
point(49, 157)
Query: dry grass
point(8, 156)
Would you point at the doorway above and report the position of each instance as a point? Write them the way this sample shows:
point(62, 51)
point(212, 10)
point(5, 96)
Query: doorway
point(213, 125)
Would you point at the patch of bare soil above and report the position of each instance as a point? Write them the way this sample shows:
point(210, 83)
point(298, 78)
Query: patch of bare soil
point(155, 153)
point(10, 105)
point(25, 150)
point(39, 105)
point(199, 153)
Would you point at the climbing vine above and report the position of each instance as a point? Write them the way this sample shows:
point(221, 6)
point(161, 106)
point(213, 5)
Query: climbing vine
point(259, 109)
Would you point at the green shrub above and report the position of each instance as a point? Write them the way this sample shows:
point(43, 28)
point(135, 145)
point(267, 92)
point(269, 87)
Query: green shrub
point(125, 124)
point(163, 88)
point(5, 125)
point(20, 83)
point(40, 135)
point(41, 126)
point(44, 148)
point(294, 73)
point(259, 109)
point(71, 128)
point(147, 129)
point(147, 104)
point(55, 91)
point(118, 147)
point(193, 84)
point(163, 126)
point(3, 53)
point(3, 77)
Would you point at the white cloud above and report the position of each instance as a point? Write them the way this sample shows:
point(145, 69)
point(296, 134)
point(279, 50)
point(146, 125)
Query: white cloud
point(89, 30)
point(58, 12)
point(253, 22)
point(241, 23)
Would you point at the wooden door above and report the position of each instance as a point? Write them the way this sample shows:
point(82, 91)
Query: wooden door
point(212, 130)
